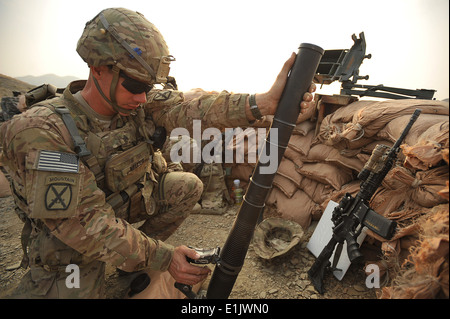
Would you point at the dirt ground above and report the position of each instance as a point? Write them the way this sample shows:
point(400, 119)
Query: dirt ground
point(284, 277)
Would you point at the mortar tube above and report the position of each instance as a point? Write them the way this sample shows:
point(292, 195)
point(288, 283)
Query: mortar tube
point(235, 248)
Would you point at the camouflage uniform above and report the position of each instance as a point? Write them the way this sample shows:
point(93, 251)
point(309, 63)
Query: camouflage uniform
point(79, 209)
point(70, 212)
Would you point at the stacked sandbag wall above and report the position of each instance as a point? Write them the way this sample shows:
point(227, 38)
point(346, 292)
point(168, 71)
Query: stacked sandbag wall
point(323, 159)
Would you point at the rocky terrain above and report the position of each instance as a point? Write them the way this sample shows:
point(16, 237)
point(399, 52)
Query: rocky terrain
point(284, 277)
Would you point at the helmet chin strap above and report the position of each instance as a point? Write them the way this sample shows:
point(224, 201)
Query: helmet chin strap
point(112, 92)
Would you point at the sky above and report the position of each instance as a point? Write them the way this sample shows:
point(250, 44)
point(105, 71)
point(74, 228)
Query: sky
point(240, 46)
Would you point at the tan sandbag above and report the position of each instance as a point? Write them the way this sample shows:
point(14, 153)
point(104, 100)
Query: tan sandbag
point(325, 153)
point(162, 287)
point(425, 275)
point(285, 185)
point(296, 157)
point(385, 200)
point(364, 120)
point(298, 208)
point(317, 191)
point(326, 174)
point(424, 122)
point(430, 148)
point(424, 185)
point(421, 156)
point(374, 117)
point(244, 146)
point(300, 143)
point(333, 124)
point(445, 155)
point(5, 190)
point(304, 128)
point(444, 192)
point(288, 170)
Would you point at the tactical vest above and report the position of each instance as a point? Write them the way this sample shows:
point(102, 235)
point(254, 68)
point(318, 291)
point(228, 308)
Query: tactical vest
point(123, 160)
point(126, 167)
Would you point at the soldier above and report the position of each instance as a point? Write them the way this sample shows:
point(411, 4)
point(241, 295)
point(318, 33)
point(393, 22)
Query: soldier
point(86, 165)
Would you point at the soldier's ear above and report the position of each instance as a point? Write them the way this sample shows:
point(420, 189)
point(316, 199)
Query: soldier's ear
point(99, 71)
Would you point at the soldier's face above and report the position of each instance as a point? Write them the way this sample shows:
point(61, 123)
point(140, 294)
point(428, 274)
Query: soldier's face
point(128, 100)
point(124, 98)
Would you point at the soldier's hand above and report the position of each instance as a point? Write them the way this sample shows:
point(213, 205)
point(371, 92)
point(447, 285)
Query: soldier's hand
point(268, 102)
point(182, 271)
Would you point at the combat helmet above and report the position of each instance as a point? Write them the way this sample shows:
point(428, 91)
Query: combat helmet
point(276, 236)
point(128, 42)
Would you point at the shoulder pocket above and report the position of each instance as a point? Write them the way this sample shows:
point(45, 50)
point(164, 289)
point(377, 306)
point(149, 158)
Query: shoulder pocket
point(53, 184)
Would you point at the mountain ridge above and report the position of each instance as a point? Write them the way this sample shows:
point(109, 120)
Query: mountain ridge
point(50, 78)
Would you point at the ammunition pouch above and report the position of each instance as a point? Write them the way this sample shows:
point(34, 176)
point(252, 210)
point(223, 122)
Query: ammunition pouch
point(128, 167)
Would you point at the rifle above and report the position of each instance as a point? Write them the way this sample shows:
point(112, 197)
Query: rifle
point(352, 214)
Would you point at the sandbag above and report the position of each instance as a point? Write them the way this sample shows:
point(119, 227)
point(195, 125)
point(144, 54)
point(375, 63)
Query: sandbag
point(162, 287)
point(326, 174)
point(288, 170)
point(424, 122)
point(296, 157)
point(317, 191)
point(425, 275)
point(300, 143)
point(364, 119)
point(328, 154)
point(423, 187)
point(304, 128)
point(299, 208)
point(285, 185)
point(430, 148)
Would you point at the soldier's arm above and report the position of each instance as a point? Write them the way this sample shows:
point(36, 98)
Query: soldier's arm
point(219, 110)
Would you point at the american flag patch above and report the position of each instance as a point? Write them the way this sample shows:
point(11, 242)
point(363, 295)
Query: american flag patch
point(57, 162)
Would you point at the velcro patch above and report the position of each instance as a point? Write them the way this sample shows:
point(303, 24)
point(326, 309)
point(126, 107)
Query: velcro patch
point(58, 196)
point(162, 96)
point(58, 162)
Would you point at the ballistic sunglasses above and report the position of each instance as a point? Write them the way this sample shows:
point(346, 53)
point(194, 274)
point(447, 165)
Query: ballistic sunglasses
point(134, 86)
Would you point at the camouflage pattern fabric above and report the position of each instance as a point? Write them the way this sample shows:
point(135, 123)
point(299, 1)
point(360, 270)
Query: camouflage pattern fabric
point(215, 196)
point(98, 45)
point(276, 236)
point(72, 221)
point(214, 110)
point(177, 193)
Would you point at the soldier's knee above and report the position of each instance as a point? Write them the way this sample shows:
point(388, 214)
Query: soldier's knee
point(195, 186)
